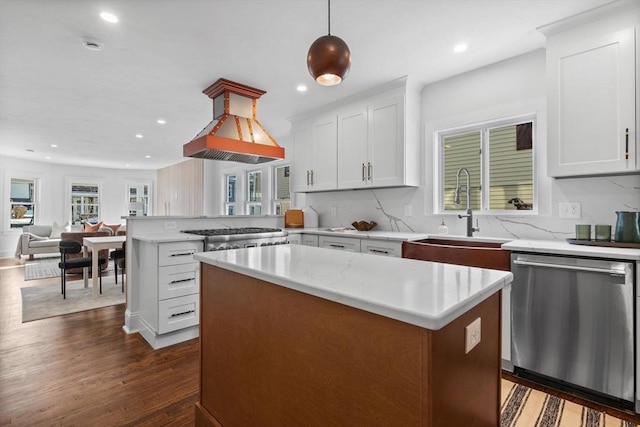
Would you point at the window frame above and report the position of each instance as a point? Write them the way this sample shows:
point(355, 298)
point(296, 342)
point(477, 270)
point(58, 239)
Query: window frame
point(35, 201)
point(147, 201)
point(275, 201)
point(485, 127)
point(70, 182)
point(248, 202)
point(227, 204)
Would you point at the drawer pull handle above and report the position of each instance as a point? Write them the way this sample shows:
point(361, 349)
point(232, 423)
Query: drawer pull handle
point(378, 251)
point(336, 246)
point(181, 281)
point(182, 313)
point(182, 254)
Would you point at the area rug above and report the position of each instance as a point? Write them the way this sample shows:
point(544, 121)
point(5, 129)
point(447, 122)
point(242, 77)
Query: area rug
point(40, 302)
point(42, 269)
point(526, 407)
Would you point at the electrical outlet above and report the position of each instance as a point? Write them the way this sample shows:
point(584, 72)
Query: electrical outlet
point(472, 335)
point(334, 211)
point(408, 210)
point(569, 210)
point(169, 225)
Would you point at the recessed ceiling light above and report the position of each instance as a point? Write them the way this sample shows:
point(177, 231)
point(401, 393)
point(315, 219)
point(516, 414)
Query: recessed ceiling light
point(161, 121)
point(109, 17)
point(54, 145)
point(301, 88)
point(139, 135)
point(48, 158)
point(127, 166)
point(460, 48)
point(147, 156)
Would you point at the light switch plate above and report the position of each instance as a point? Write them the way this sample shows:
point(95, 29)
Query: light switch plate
point(169, 225)
point(408, 210)
point(472, 335)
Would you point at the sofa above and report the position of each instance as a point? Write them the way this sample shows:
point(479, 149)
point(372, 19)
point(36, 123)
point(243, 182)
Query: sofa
point(45, 239)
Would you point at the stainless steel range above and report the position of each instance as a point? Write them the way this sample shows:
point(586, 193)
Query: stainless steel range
point(220, 239)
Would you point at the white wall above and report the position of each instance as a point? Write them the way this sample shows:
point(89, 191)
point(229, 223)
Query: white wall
point(508, 88)
point(52, 194)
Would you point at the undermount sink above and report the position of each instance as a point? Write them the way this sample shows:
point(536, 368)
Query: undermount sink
point(471, 252)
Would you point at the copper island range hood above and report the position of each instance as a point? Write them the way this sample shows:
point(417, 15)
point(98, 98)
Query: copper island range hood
point(234, 134)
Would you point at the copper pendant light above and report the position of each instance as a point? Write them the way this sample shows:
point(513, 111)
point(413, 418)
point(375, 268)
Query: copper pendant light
point(329, 58)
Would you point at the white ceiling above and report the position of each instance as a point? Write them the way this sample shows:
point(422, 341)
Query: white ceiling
point(161, 55)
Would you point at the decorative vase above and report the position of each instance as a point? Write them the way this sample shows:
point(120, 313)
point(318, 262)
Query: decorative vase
point(628, 227)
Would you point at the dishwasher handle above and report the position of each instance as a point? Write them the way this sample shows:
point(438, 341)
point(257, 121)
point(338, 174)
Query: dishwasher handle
point(610, 271)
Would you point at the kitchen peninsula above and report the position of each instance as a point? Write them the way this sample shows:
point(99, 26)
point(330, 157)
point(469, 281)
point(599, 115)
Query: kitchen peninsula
point(297, 335)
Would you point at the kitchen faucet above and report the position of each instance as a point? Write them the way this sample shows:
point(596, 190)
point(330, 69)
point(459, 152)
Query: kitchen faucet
point(456, 200)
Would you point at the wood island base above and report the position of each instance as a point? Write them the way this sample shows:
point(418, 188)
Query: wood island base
point(272, 356)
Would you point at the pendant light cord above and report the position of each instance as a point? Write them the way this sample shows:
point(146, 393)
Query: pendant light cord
point(329, 16)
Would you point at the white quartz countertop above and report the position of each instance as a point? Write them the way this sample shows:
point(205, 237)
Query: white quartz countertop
point(425, 294)
point(379, 235)
point(564, 248)
point(167, 237)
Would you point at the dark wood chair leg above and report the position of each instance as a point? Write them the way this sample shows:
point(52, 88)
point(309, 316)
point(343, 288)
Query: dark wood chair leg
point(100, 275)
point(115, 267)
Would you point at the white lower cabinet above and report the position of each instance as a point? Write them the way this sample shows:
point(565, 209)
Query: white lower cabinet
point(351, 244)
point(169, 288)
point(309, 240)
point(381, 247)
point(303, 239)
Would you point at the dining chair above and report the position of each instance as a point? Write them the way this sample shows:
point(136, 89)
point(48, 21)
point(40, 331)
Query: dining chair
point(118, 256)
point(69, 247)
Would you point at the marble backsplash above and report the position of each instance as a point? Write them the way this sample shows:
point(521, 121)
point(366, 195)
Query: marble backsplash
point(410, 209)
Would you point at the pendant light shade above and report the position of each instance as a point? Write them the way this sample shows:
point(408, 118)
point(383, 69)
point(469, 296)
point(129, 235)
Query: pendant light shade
point(329, 58)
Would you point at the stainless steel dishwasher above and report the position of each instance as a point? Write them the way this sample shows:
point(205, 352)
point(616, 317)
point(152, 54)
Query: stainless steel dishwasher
point(573, 323)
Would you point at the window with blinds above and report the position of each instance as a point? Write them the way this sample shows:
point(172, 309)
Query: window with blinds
point(499, 159)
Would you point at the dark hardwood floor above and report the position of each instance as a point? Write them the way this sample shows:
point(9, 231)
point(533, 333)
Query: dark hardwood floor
point(82, 369)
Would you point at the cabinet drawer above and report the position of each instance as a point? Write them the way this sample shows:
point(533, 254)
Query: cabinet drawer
point(340, 243)
point(310, 240)
point(178, 280)
point(381, 247)
point(177, 252)
point(178, 313)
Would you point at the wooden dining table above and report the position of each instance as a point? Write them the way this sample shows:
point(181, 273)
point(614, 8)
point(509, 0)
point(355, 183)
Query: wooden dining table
point(96, 244)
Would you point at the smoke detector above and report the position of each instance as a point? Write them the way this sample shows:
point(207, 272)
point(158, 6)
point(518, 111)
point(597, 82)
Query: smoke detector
point(92, 44)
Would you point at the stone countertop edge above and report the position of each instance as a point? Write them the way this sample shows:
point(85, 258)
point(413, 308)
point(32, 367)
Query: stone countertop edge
point(397, 288)
point(167, 237)
point(378, 235)
point(557, 247)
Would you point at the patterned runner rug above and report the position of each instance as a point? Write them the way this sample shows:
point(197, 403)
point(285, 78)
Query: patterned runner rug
point(40, 302)
point(526, 407)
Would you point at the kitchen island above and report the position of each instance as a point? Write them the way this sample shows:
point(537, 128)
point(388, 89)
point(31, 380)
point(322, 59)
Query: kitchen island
point(297, 335)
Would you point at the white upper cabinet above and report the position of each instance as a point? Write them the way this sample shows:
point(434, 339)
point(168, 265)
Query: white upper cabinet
point(371, 145)
point(592, 78)
point(375, 142)
point(353, 147)
point(314, 159)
